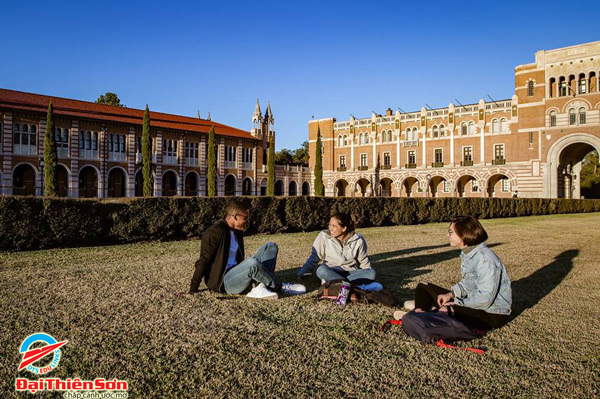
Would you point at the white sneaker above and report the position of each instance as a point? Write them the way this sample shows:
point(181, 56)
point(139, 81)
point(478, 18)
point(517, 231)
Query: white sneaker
point(262, 292)
point(292, 289)
point(399, 314)
point(409, 305)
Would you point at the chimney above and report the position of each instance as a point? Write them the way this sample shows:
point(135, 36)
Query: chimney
point(388, 112)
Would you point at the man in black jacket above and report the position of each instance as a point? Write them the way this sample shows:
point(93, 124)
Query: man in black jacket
point(222, 263)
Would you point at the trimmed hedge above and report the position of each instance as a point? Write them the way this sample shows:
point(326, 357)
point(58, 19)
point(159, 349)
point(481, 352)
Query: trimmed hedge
point(29, 223)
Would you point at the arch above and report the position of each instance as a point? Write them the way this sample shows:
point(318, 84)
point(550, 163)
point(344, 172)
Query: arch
point(340, 188)
point(62, 178)
point(247, 185)
point(363, 188)
point(191, 184)
point(139, 183)
point(408, 186)
point(292, 189)
point(230, 185)
point(24, 177)
point(466, 184)
point(385, 187)
point(117, 182)
point(436, 185)
point(495, 125)
point(279, 188)
point(306, 188)
point(435, 132)
point(442, 130)
point(558, 162)
point(576, 103)
point(88, 182)
point(263, 186)
point(169, 183)
point(503, 125)
point(498, 185)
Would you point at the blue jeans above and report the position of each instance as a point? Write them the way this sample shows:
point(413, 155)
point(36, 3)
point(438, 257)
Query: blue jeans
point(327, 273)
point(259, 267)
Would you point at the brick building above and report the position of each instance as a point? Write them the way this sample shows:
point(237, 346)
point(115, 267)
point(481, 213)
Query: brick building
point(530, 145)
point(99, 151)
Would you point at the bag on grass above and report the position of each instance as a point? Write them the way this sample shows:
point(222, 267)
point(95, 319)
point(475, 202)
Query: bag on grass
point(431, 327)
point(331, 289)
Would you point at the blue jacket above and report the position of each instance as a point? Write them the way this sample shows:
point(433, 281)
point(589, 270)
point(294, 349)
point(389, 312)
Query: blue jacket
point(485, 283)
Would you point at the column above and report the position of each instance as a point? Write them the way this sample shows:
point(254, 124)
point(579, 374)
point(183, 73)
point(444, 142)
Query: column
point(482, 145)
point(130, 189)
point(74, 178)
point(7, 178)
point(202, 164)
point(221, 164)
point(159, 160)
point(238, 163)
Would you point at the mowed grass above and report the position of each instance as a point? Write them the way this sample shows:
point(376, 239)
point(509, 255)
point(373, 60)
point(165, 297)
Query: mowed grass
point(118, 308)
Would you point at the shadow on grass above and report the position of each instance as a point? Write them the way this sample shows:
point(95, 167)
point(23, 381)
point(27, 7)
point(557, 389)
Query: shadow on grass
point(528, 291)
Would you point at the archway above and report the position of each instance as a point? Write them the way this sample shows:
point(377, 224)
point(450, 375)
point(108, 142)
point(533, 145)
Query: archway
point(169, 184)
point(62, 177)
point(116, 183)
point(191, 184)
point(263, 187)
point(292, 189)
point(499, 186)
point(408, 186)
point(465, 184)
point(363, 188)
point(278, 188)
point(88, 182)
point(306, 188)
point(385, 187)
point(247, 186)
point(230, 184)
point(436, 186)
point(340, 188)
point(24, 180)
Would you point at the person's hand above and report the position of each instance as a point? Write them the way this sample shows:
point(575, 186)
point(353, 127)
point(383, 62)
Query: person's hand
point(445, 299)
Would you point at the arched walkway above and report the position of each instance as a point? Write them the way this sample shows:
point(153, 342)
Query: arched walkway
point(363, 188)
point(139, 184)
point(292, 189)
point(169, 184)
point(24, 180)
point(306, 188)
point(263, 187)
point(191, 184)
point(62, 177)
point(230, 185)
point(116, 183)
point(409, 186)
point(278, 188)
point(466, 184)
point(247, 186)
point(385, 187)
point(88, 182)
point(436, 186)
point(340, 188)
point(499, 186)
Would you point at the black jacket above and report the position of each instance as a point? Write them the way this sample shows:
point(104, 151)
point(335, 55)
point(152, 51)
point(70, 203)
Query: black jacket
point(214, 253)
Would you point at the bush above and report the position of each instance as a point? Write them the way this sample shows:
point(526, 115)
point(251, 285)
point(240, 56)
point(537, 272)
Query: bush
point(28, 223)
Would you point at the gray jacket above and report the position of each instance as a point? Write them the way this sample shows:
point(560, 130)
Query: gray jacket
point(349, 256)
point(485, 283)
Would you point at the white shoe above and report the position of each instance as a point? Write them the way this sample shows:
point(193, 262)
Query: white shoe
point(399, 314)
point(292, 289)
point(262, 292)
point(409, 305)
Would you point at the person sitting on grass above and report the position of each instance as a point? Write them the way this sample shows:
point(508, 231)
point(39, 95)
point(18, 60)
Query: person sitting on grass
point(222, 263)
point(342, 253)
point(482, 299)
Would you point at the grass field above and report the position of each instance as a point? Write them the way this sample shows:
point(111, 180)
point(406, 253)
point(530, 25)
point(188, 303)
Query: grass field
point(118, 308)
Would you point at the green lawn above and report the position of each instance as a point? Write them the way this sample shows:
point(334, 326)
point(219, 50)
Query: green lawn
point(118, 308)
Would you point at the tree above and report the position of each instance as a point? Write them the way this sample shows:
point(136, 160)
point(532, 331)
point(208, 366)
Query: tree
point(284, 157)
point(271, 168)
point(590, 175)
point(301, 155)
point(212, 163)
point(110, 99)
point(147, 154)
point(319, 166)
point(50, 156)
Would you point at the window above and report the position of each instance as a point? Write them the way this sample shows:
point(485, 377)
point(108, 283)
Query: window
point(572, 117)
point(439, 157)
point(387, 160)
point(412, 158)
point(340, 141)
point(562, 87)
point(169, 151)
point(474, 186)
point(247, 155)
point(366, 138)
point(468, 154)
point(342, 161)
point(138, 144)
point(530, 87)
point(230, 156)
point(463, 129)
point(530, 139)
point(61, 137)
point(505, 185)
point(503, 125)
point(495, 126)
point(446, 186)
point(408, 134)
point(553, 119)
point(363, 160)
point(191, 153)
point(582, 116)
point(435, 132)
point(415, 136)
point(442, 130)
point(389, 136)
point(582, 89)
point(24, 142)
point(345, 140)
point(471, 128)
point(499, 152)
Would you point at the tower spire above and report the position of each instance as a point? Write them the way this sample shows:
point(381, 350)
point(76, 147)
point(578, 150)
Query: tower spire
point(257, 114)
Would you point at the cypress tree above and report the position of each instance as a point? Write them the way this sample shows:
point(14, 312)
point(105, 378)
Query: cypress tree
point(147, 154)
point(319, 166)
point(50, 156)
point(212, 163)
point(271, 168)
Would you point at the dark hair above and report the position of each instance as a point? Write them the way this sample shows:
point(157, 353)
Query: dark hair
point(469, 230)
point(345, 221)
point(235, 205)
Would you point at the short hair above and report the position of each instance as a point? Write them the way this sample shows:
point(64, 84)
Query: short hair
point(345, 220)
point(234, 206)
point(469, 230)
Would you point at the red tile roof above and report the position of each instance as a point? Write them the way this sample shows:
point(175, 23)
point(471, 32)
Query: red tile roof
point(12, 99)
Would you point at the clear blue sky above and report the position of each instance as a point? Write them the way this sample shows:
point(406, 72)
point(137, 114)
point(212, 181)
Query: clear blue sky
point(309, 58)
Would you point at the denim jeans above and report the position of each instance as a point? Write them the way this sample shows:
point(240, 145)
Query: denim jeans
point(327, 273)
point(259, 267)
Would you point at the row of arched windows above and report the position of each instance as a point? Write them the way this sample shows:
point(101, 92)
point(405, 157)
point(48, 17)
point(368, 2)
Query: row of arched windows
point(573, 84)
point(576, 117)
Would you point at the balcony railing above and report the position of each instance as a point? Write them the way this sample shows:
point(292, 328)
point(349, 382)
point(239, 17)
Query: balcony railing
point(24, 149)
point(410, 143)
point(170, 159)
point(62, 152)
point(437, 164)
point(386, 166)
point(230, 165)
point(363, 168)
point(88, 154)
point(117, 156)
point(499, 161)
point(247, 165)
point(466, 163)
point(191, 161)
point(341, 168)
point(138, 157)
point(410, 165)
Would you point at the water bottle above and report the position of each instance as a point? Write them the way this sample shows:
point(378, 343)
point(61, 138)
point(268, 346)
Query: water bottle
point(342, 298)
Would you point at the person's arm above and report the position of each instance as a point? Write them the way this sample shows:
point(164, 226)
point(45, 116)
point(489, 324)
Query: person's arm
point(488, 280)
point(362, 258)
point(317, 253)
point(208, 251)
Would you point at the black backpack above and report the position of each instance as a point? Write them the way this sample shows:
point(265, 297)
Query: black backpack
point(431, 327)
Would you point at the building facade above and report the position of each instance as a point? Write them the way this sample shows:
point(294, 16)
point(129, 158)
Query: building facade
point(99, 151)
point(531, 145)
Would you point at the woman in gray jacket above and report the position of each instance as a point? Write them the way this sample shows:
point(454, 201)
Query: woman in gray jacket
point(341, 251)
point(483, 298)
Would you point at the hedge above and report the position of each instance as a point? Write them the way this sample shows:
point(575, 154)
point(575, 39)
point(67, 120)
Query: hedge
point(29, 223)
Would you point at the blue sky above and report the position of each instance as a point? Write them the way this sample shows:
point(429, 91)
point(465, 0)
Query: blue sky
point(311, 58)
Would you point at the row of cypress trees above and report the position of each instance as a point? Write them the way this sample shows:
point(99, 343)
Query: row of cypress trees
point(51, 160)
